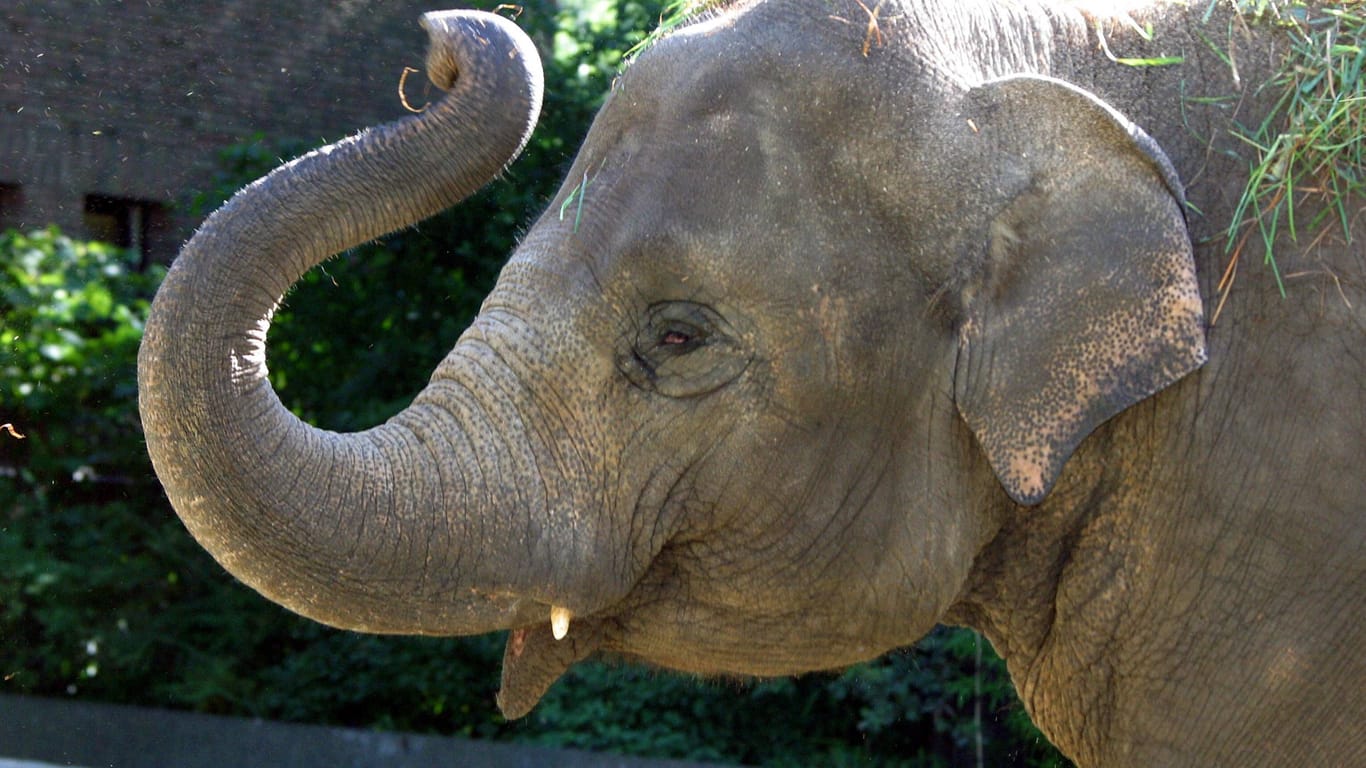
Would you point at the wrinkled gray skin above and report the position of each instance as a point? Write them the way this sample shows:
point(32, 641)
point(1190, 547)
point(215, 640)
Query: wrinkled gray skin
point(849, 333)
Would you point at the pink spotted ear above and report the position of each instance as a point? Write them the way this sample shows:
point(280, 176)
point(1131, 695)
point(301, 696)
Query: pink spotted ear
point(1089, 302)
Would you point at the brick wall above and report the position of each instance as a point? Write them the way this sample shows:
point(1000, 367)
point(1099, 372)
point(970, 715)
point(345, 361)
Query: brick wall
point(130, 102)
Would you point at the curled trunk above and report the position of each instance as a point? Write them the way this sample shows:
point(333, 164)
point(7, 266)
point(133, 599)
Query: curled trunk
point(387, 530)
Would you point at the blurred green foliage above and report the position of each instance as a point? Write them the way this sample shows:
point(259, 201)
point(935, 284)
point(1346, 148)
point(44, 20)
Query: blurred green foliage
point(69, 333)
point(104, 595)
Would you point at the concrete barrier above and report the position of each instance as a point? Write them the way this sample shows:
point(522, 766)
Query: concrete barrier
point(75, 733)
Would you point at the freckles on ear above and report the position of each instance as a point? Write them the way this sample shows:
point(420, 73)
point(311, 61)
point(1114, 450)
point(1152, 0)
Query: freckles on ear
point(1084, 303)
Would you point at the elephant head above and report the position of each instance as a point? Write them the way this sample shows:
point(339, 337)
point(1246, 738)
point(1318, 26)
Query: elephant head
point(747, 409)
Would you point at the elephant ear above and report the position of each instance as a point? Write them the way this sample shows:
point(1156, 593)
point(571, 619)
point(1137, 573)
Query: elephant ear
point(1084, 301)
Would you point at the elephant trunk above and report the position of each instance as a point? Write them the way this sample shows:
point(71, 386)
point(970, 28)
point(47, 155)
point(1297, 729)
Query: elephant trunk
point(389, 530)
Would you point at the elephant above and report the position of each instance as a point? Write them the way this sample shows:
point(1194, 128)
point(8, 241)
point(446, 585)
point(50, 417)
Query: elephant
point(863, 318)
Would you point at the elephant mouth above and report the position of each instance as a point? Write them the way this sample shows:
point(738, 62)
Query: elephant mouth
point(538, 655)
point(539, 650)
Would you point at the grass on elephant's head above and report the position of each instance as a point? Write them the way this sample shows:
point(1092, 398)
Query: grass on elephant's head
point(1313, 144)
point(676, 13)
point(1310, 147)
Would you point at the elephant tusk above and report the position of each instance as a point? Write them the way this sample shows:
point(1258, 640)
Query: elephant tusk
point(559, 621)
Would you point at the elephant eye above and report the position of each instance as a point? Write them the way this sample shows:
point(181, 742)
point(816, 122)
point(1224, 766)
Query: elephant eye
point(682, 349)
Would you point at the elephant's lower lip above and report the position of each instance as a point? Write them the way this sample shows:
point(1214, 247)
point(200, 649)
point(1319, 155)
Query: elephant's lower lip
point(535, 658)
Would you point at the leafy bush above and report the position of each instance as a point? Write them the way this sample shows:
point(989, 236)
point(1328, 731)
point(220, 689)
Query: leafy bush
point(104, 595)
point(70, 328)
point(70, 320)
point(910, 709)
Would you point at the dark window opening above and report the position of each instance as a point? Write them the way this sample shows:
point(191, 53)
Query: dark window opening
point(11, 200)
point(124, 222)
